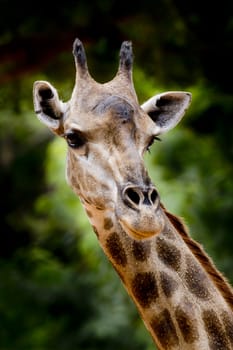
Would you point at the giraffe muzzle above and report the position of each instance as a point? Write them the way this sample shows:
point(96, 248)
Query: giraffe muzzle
point(141, 216)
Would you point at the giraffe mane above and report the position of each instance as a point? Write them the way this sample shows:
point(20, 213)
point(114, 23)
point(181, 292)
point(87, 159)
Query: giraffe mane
point(219, 280)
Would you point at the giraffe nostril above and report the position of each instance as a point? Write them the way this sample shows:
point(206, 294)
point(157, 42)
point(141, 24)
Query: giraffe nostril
point(153, 196)
point(132, 195)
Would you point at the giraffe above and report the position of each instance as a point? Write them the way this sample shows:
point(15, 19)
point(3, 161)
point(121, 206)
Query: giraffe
point(184, 301)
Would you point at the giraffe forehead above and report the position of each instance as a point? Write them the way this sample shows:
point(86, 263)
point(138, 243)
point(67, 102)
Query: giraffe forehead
point(118, 105)
point(104, 116)
point(98, 103)
point(108, 113)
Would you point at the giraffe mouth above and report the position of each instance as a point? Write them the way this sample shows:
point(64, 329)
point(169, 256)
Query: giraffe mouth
point(140, 231)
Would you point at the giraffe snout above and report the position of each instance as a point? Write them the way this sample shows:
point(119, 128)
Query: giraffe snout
point(140, 216)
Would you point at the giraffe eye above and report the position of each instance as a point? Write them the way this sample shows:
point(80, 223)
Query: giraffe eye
point(75, 139)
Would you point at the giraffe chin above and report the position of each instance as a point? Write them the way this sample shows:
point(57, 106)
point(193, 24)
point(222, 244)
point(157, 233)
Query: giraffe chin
point(138, 233)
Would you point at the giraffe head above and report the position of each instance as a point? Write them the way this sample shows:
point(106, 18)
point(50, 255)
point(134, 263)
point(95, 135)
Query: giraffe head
point(107, 133)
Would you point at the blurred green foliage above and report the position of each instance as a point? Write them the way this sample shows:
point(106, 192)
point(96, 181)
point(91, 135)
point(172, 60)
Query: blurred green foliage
point(57, 289)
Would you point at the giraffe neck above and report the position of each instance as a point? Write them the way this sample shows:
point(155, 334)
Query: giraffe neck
point(183, 300)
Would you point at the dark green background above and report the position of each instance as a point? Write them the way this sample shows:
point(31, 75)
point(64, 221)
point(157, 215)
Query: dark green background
point(57, 289)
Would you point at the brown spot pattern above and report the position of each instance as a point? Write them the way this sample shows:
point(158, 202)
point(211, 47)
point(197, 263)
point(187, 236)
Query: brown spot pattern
point(168, 284)
point(144, 288)
point(196, 280)
point(228, 324)
point(218, 279)
point(108, 223)
point(75, 183)
point(141, 250)
point(164, 330)
point(89, 214)
point(116, 249)
point(168, 253)
point(185, 320)
point(215, 331)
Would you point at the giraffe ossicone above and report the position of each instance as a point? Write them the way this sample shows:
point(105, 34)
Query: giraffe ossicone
point(184, 301)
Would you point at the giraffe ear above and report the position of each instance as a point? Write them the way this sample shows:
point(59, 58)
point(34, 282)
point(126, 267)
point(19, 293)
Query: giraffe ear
point(167, 109)
point(49, 109)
